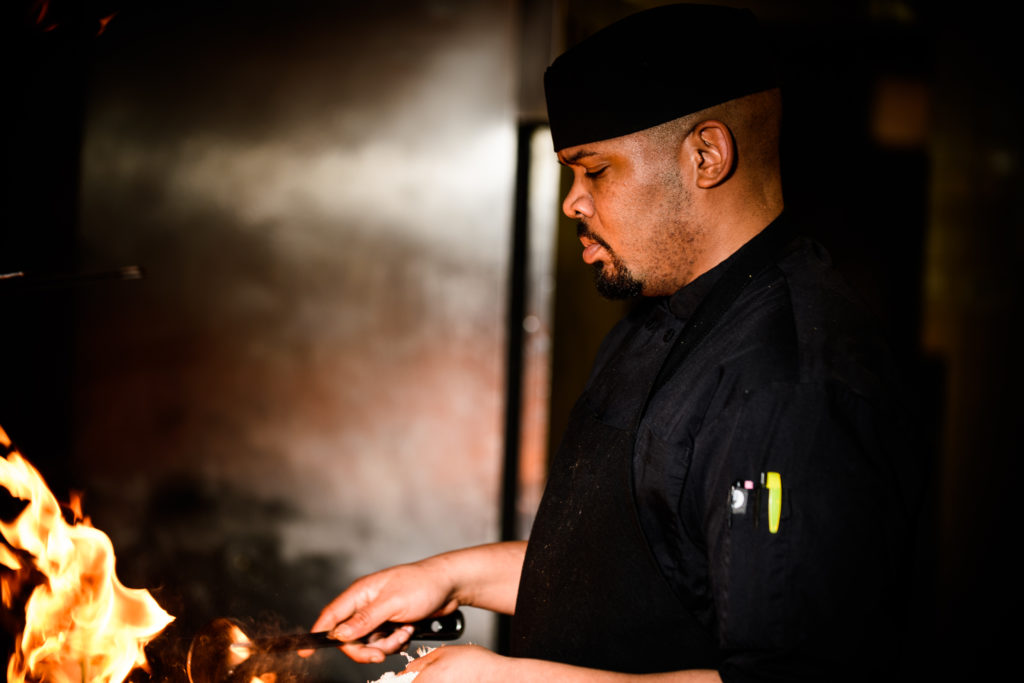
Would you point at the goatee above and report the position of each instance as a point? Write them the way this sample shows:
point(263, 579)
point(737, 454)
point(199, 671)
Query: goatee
point(613, 280)
point(617, 284)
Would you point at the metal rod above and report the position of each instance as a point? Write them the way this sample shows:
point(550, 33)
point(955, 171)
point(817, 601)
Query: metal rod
point(20, 280)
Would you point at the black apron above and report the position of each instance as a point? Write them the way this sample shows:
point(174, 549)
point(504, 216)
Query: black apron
point(592, 593)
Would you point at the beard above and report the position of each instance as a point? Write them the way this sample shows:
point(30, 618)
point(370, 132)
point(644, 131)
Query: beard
point(616, 282)
point(613, 279)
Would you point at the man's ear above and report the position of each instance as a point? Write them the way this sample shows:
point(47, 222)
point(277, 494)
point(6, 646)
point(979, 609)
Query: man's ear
point(712, 152)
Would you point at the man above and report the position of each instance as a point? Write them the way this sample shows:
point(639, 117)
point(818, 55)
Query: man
point(729, 501)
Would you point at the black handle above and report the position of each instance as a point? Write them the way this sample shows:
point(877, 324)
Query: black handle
point(448, 627)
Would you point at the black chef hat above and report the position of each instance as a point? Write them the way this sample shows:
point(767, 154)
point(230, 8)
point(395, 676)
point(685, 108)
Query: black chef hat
point(655, 66)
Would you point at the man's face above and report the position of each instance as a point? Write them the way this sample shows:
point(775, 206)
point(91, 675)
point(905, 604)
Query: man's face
point(633, 209)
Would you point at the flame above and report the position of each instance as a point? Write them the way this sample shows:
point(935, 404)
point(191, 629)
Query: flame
point(49, 18)
point(240, 650)
point(42, 8)
point(103, 21)
point(81, 623)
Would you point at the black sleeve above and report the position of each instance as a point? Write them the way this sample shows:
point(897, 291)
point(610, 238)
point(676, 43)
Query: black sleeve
point(818, 599)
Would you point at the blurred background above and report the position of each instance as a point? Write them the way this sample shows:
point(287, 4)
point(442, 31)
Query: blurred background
point(361, 322)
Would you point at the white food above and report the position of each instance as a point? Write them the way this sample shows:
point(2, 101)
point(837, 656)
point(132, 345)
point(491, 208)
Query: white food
point(392, 677)
point(396, 678)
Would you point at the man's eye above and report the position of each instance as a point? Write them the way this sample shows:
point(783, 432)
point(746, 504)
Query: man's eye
point(596, 173)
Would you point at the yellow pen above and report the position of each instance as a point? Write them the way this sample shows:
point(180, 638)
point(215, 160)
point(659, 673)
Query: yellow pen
point(774, 485)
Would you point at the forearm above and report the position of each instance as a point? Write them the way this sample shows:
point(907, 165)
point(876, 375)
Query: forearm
point(542, 671)
point(485, 576)
point(471, 662)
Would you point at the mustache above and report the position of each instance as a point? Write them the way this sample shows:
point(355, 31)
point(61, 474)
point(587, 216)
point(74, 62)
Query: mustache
point(583, 230)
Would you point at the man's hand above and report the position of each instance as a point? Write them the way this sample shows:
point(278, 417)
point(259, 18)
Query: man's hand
point(484, 576)
point(401, 594)
point(463, 663)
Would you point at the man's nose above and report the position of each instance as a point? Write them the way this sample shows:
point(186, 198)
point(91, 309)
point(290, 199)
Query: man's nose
point(578, 203)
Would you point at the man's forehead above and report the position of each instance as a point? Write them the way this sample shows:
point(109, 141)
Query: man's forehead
point(622, 146)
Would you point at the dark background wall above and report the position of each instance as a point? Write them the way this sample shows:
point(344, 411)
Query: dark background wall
point(309, 380)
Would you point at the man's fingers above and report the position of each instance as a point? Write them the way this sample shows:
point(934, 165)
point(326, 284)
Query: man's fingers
point(364, 654)
point(391, 642)
point(379, 645)
point(362, 622)
point(387, 641)
point(423, 660)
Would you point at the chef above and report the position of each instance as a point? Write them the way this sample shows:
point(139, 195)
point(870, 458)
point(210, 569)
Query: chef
point(732, 499)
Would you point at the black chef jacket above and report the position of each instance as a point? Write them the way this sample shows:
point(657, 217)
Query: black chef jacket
point(793, 380)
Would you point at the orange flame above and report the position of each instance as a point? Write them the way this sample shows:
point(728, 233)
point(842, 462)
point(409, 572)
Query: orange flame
point(103, 21)
point(81, 623)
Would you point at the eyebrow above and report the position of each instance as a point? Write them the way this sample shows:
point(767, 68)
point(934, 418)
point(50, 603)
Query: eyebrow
point(578, 155)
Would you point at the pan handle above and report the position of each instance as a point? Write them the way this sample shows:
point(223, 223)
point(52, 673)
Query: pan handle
point(448, 627)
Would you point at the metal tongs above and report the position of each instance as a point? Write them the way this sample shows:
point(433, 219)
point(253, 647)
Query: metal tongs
point(221, 652)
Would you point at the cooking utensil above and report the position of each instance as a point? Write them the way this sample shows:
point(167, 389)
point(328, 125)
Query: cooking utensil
point(221, 652)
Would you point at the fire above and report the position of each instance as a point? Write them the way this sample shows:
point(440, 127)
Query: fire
point(81, 623)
